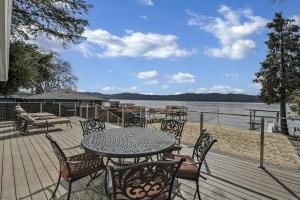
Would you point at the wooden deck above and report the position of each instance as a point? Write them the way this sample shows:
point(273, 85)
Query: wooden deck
point(29, 170)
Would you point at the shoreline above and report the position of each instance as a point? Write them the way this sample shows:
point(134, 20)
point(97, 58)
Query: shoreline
point(278, 149)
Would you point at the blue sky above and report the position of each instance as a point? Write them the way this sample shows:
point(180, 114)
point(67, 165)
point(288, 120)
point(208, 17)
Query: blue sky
point(172, 47)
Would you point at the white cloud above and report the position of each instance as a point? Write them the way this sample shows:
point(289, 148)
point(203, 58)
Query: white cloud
point(146, 2)
point(201, 90)
point(225, 89)
point(135, 44)
point(48, 43)
point(85, 49)
point(132, 88)
point(177, 93)
point(147, 93)
point(147, 74)
point(80, 90)
point(108, 88)
point(129, 31)
point(152, 82)
point(232, 33)
point(144, 17)
point(297, 19)
point(164, 87)
point(232, 76)
point(182, 78)
point(255, 85)
point(117, 89)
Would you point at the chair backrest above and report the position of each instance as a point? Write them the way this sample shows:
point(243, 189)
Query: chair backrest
point(58, 152)
point(173, 126)
point(19, 109)
point(92, 126)
point(153, 180)
point(203, 145)
point(27, 117)
point(135, 121)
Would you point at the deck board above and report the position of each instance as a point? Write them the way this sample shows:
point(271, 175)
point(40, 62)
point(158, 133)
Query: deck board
point(29, 170)
point(8, 182)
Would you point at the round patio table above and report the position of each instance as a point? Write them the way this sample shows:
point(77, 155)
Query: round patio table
point(128, 142)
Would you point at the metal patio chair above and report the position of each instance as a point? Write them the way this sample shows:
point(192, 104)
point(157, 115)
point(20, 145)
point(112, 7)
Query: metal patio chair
point(190, 168)
point(174, 127)
point(144, 181)
point(75, 167)
point(134, 121)
point(92, 126)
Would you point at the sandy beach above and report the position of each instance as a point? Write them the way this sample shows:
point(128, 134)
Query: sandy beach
point(242, 142)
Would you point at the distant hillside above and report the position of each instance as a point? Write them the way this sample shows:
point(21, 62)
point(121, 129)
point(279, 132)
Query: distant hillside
point(214, 97)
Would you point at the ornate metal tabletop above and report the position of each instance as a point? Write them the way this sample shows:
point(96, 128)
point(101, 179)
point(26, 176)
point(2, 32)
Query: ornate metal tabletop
point(128, 142)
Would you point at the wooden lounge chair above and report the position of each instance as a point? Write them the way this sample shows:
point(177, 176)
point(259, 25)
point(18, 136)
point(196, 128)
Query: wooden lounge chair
point(40, 115)
point(24, 120)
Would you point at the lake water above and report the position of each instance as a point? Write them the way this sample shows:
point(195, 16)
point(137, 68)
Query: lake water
point(194, 109)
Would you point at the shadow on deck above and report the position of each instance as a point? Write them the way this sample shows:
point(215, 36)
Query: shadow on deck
point(29, 170)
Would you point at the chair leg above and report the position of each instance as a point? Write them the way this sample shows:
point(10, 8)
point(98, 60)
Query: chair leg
point(53, 194)
point(198, 189)
point(69, 191)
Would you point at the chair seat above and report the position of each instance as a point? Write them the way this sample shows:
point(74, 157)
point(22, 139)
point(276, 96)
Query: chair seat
point(164, 196)
point(139, 188)
point(177, 148)
point(90, 164)
point(59, 120)
point(188, 169)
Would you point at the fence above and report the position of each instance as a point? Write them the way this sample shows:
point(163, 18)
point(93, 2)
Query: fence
point(61, 109)
point(258, 139)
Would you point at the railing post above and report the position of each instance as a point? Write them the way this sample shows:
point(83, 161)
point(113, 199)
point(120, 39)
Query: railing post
point(250, 120)
point(59, 109)
point(80, 110)
point(96, 111)
point(201, 123)
point(87, 111)
point(140, 111)
point(218, 115)
point(107, 116)
point(123, 116)
point(262, 143)
point(41, 107)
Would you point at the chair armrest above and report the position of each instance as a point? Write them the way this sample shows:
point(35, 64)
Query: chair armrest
point(71, 148)
point(190, 146)
point(74, 162)
point(186, 163)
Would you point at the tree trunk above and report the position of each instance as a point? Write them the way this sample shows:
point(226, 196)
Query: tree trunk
point(283, 120)
point(283, 97)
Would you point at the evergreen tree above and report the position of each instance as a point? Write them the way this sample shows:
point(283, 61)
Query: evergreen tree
point(280, 71)
point(61, 19)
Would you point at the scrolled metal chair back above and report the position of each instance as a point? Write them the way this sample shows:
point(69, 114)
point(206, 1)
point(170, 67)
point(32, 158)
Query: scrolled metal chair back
point(135, 121)
point(92, 126)
point(174, 127)
point(57, 150)
point(203, 145)
point(144, 181)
